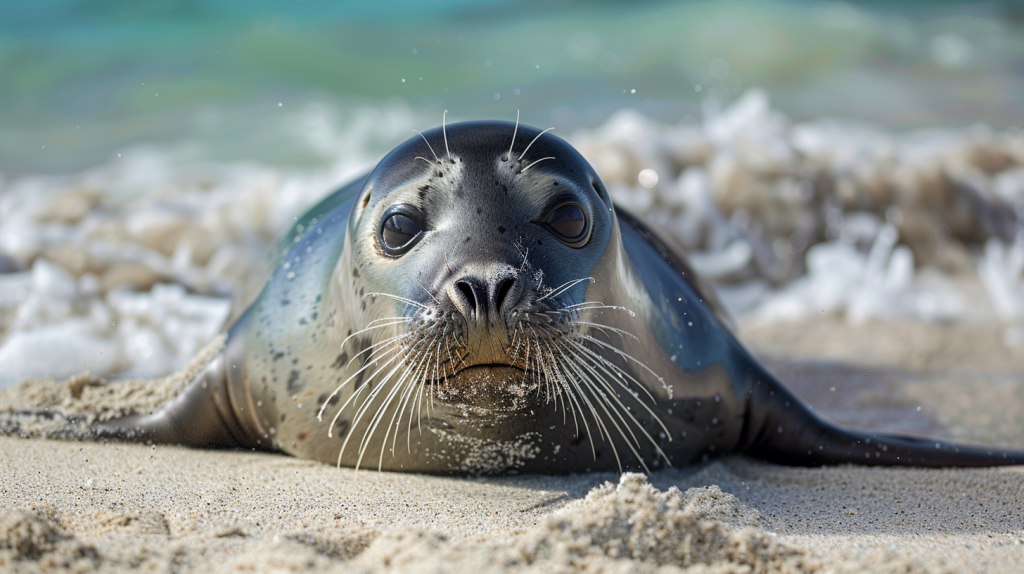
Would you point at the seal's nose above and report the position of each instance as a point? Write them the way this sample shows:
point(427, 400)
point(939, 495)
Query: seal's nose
point(486, 298)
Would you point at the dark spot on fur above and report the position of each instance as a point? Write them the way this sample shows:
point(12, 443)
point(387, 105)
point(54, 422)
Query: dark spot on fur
point(355, 272)
point(282, 417)
point(303, 434)
point(340, 361)
point(556, 184)
point(359, 380)
point(302, 321)
point(539, 242)
point(285, 302)
point(294, 385)
point(295, 361)
point(342, 427)
point(331, 399)
point(314, 316)
point(468, 238)
point(501, 229)
point(479, 211)
point(278, 355)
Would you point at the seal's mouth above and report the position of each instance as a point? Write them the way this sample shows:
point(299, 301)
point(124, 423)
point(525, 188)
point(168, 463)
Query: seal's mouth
point(498, 385)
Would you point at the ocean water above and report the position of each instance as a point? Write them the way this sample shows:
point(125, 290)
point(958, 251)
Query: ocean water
point(81, 80)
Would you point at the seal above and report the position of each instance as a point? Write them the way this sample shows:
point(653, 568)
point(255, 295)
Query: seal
point(477, 304)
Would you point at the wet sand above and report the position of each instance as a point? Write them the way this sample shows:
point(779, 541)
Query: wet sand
point(83, 506)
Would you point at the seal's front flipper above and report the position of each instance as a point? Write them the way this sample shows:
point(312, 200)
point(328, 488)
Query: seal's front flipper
point(781, 429)
point(205, 414)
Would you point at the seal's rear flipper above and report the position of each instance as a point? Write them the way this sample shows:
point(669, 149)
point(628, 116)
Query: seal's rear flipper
point(201, 415)
point(781, 429)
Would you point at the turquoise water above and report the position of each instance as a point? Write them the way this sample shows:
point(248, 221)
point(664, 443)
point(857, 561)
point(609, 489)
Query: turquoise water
point(82, 79)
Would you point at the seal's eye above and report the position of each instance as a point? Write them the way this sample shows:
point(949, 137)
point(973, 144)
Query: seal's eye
point(399, 231)
point(569, 224)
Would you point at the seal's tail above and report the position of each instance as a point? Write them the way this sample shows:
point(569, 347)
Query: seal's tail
point(780, 428)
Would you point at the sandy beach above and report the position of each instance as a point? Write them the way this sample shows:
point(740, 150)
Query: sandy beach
point(86, 506)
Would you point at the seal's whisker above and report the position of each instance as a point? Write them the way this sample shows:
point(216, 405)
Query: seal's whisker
point(397, 298)
point(614, 411)
point(614, 370)
point(319, 415)
point(428, 146)
point(451, 359)
point(543, 362)
point(590, 436)
point(605, 328)
point(587, 305)
point(397, 321)
point(366, 383)
point(419, 396)
point(398, 390)
point(564, 287)
point(378, 417)
point(604, 381)
point(410, 395)
point(567, 376)
point(429, 294)
point(561, 379)
point(444, 130)
point(517, 343)
point(622, 354)
point(377, 347)
point(514, 132)
point(424, 159)
point(574, 405)
point(365, 406)
point(599, 382)
point(406, 382)
point(602, 426)
point(549, 363)
point(582, 305)
point(525, 256)
point(531, 143)
point(437, 366)
point(535, 163)
point(399, 318)
point(590, 362)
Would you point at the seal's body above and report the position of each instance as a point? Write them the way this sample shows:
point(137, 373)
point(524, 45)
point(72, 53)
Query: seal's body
point(476, 304)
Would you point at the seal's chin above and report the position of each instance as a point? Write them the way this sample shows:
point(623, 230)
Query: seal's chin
point(493, 387)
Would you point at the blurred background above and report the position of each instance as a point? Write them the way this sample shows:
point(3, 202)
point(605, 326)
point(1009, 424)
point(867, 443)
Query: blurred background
point(857, 160)
point(83, 79)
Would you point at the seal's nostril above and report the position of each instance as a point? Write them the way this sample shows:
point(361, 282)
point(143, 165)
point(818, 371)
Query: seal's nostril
point(468, 295)
point(504, 287)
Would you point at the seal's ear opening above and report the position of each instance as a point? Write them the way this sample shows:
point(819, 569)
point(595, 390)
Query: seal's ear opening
point(364, 200)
